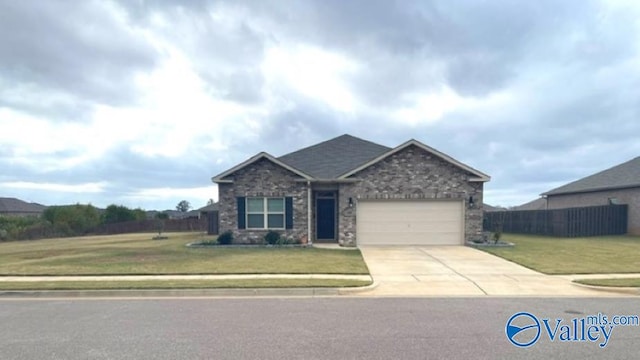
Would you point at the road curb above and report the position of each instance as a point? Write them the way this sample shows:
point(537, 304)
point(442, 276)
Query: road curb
point(186, 293)
point(611, 289)
point(358, 289)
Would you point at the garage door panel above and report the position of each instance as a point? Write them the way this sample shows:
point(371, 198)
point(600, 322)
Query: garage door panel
point(409, 223)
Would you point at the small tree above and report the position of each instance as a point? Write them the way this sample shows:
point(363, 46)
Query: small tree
point(183, 206)
point(160, 218)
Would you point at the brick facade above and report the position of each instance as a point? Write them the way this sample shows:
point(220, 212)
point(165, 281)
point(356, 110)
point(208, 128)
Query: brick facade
point(411, 173)
point(262, 178)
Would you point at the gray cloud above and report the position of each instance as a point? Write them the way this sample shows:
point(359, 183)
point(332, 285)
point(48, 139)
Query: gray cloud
point(568, 71)
point(78, 49)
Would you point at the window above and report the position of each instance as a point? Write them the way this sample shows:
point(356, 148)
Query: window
point(265, 213)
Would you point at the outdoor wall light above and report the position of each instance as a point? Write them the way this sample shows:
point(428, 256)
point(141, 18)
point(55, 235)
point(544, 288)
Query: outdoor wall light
point(470, 201)
point(350, 202)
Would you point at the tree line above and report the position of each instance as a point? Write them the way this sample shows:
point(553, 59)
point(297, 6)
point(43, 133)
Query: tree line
point(70, 220)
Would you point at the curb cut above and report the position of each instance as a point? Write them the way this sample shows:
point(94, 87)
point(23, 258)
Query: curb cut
point(610, 289)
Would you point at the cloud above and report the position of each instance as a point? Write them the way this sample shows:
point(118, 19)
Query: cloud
point(65, 188)
point(88, 55)
point(150, 99)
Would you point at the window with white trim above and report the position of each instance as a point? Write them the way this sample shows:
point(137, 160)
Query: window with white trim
point(265, 213)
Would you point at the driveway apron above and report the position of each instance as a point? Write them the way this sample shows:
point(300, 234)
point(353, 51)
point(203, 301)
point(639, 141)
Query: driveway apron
point(458, 271)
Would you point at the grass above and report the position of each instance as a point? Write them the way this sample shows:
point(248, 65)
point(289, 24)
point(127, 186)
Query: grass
point(180, 284)
point(138, 254)
point(628, 282)
point(590, 255)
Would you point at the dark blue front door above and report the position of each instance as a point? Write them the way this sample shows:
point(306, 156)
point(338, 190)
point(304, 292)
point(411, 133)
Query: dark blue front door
point(326, 218)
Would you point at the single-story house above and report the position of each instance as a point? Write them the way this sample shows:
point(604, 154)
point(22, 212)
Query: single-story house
point(208, 209)
point(617, 185)
point(491, 208)
point(17, 207)
point(354, 192)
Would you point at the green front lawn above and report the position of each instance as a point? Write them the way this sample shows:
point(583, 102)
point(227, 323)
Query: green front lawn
point(590, 255)
point(136, 254)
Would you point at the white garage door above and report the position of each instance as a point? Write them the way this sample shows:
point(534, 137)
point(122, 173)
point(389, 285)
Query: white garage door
point(409, 223)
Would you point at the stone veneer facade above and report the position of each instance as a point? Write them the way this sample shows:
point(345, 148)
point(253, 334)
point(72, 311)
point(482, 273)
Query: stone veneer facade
point(410, 174)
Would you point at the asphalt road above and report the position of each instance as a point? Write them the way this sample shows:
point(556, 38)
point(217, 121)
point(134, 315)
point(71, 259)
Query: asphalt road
point(298, 328)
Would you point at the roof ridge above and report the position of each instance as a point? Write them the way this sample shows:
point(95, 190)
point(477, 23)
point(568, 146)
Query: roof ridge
point(332, 139)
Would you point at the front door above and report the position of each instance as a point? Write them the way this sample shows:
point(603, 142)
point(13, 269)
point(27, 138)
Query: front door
point(325, 216)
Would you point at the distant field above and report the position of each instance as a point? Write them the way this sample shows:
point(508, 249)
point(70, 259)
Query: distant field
point(139, 254)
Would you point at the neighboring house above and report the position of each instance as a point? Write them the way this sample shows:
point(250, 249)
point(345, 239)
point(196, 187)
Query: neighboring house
point(491, 208)
point(206, 210)
point(617, 185)
point(17, 207)
point(354, 192)
point(537, 204)
point(173, 214)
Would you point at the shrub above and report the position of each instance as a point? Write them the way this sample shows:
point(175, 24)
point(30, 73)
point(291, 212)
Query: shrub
point(496, 236)
point(273, 238)
point(72, 220)
point(226, 238)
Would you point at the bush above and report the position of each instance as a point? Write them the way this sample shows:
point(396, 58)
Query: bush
point(72, 220)
point(226, 238)
point(496, 236)
point(273, 238)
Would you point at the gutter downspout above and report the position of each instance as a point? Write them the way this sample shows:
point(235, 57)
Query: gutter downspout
point(309, 241)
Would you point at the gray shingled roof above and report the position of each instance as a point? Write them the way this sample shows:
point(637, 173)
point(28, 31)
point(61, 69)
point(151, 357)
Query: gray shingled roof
point(15, 206)
point(489, 208)
point(537, 204)
point(334, 157)
point(625, 175)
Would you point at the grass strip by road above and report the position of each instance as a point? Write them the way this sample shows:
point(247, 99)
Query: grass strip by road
point(138, 254)
point(588, 255)
point(180, 284)
point(627, 282)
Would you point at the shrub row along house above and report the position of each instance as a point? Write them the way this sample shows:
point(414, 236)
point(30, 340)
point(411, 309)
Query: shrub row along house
point(354, 192)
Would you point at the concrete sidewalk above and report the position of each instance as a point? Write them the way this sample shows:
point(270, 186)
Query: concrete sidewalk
point(183, 277)
point(181, 293)
point(459, 271)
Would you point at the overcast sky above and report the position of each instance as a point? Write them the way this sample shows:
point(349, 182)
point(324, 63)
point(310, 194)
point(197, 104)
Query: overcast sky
point(141, 102)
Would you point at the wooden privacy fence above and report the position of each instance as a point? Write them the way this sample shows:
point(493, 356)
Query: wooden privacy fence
point(153, 225)
point(570, 222)
point(213, 223)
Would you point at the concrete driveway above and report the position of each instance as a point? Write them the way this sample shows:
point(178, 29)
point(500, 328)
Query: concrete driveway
point(458, 271)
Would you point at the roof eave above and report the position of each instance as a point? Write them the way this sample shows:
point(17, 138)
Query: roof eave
point(330, 180)
point(622, 187)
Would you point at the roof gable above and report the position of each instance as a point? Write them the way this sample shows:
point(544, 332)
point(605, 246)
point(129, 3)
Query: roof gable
point(479, 176)
point(263, 155)
point(330, 159)
point(624, 175)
